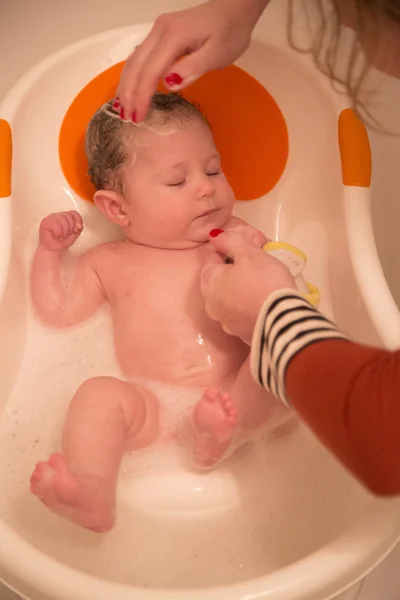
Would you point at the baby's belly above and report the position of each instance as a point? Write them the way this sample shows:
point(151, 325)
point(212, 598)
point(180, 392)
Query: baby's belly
point(180, 356)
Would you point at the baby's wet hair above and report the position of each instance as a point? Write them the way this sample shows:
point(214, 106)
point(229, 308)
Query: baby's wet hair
point(109, 140)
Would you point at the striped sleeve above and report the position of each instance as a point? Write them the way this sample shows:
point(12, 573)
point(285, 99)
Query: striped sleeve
point(286, 324)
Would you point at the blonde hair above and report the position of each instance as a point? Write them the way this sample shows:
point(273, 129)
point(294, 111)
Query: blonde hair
point(108, 140)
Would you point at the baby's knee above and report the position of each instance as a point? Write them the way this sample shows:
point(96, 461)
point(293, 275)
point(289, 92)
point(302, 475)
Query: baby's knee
point(100, 390)
point(145, 420)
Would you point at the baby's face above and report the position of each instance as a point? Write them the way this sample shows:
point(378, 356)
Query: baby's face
point(175, 190)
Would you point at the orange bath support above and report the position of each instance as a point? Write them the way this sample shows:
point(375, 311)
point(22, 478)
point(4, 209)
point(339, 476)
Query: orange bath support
point(5, 159)
point(355, 150)
point(249, 129)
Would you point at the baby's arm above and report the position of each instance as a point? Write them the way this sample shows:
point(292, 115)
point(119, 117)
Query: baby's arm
point(255, 236)
point(56, 304)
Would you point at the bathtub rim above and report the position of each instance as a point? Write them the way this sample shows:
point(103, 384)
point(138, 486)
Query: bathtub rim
point(327, 571)
point(16, 553)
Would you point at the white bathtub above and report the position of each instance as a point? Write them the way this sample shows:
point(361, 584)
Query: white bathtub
point(282, 522)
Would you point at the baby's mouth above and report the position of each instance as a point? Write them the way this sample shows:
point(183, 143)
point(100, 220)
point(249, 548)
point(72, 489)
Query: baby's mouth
point(207, 213)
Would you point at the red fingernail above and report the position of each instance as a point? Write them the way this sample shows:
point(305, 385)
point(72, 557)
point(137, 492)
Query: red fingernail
point(216, 232)
point(122, 112)
point(116, 104)
point(173, 79)
point(133, 117)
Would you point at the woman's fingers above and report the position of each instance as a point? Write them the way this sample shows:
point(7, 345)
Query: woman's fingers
point(212, 268)
point(181, 47)
point(153, 60)
point(211, 274)
point(214, 258)
point(233, 245)
point(130, 76)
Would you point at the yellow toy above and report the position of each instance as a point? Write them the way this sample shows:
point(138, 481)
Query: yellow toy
point(295, 261)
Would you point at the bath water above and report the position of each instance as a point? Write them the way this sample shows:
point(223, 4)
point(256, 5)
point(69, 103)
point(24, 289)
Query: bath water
point(271, 503)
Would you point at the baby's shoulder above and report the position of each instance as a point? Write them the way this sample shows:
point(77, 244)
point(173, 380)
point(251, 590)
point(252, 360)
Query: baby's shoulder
point(105, 253)
point(108, 248)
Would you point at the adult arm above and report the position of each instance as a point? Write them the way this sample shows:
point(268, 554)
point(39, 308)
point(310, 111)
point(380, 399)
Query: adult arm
point(347, 393)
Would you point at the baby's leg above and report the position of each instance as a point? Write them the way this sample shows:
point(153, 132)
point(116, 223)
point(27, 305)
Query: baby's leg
point(106, 417)
point(221, 416)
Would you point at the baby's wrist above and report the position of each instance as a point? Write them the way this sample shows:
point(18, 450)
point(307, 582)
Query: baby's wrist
point(45, 249)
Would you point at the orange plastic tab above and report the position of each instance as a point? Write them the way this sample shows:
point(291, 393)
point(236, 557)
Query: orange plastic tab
point(5, 159)
point(355, 150)
point(248, 126)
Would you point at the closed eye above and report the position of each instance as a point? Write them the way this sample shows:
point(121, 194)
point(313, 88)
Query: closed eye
point(176, 184)
point(213, 173)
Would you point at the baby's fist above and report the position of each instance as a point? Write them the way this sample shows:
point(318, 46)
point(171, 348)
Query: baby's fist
point(59, 231)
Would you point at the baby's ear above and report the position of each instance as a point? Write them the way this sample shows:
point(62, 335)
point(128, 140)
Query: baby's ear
point(111, 204)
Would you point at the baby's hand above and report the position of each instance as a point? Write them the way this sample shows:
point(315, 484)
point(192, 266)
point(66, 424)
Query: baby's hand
point(59, 231)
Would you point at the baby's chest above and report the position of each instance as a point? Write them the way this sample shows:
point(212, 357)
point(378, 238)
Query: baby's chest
point(157, 286)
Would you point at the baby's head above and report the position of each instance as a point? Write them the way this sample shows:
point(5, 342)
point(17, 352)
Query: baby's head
point(160, 181)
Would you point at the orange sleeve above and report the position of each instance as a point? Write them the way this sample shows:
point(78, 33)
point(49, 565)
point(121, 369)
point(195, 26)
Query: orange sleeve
point(349, 395)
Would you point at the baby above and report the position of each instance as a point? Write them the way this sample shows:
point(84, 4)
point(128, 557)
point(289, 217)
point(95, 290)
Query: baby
point(163, 184)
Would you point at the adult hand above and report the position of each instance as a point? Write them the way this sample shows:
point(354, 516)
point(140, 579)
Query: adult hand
point(234, 293)
point(209, 36)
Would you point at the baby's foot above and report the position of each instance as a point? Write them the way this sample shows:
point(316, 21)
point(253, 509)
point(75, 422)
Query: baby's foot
point(215, 419)
point(54, 484)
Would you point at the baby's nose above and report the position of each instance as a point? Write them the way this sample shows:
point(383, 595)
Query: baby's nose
point(206, 187)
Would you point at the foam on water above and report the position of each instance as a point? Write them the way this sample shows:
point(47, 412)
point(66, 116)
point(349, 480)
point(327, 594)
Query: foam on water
point(289, 496)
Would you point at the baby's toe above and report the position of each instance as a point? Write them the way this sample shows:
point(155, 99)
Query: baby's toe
point(212, 395)
point(37, 474)
point(57, 462)
point(225, 397)
point(233, 412)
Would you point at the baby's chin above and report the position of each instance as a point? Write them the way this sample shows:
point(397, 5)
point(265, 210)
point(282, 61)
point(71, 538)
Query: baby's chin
point(197, 234)
point(184, 243)
point(187, 243)
point(190, 242)
point(201, 233)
